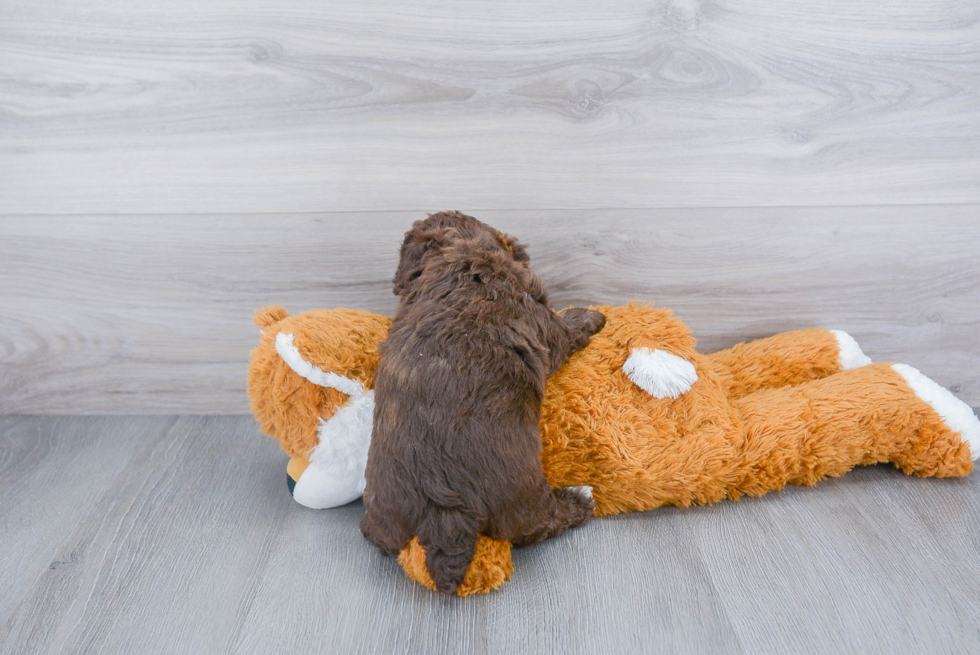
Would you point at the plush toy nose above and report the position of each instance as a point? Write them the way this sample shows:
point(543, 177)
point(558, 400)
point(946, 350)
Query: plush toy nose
point(295, 468)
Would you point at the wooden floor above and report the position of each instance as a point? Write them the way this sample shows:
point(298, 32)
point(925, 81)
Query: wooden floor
point(177, 535)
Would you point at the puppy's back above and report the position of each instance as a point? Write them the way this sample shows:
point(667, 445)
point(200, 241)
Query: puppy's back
point(455, 448)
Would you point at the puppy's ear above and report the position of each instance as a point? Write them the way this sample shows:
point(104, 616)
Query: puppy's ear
point(537, 290)
point(516, 248)
point(422, 241)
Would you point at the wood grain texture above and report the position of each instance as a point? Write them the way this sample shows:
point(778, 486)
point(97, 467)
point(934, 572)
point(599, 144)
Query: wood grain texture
point(161, 554)
point(246, 106)
point(786, 558)
point(134, 314)
point(51, 475)
point(197, 547)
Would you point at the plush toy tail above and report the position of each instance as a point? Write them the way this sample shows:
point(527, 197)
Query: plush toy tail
point(269, 316)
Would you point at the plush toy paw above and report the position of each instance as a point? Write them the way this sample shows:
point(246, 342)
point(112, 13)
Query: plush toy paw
point(492, 566)
point(850, 354)
point(955, 413)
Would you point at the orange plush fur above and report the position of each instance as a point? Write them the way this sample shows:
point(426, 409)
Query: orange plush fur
point(760, 415)
point(289, 407)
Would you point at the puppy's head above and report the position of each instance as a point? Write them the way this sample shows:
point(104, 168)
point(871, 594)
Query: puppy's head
point(310, 385)
point(435, 236)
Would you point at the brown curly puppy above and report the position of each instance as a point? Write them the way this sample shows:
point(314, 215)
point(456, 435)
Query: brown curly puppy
point(455, 451)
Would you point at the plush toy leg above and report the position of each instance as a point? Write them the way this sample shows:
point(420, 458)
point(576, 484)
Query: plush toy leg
point(785, 359)
point(823, 428)
point(491, 566)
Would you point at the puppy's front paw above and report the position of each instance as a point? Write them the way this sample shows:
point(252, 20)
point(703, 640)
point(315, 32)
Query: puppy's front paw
point(581, 499)
point(583, 490)
point(583, 323)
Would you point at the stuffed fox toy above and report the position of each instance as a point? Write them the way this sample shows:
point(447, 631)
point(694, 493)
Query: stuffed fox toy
point(638, 415)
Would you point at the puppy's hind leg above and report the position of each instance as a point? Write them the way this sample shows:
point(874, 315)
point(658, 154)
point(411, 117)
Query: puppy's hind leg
point(389, 536)
point(449, 539)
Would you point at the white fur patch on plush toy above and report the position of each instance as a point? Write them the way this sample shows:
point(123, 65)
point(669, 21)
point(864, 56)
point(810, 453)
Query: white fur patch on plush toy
point(335, 475)
point(659, 373)
point(290, 355)
point(955, 413)
point(850, 355)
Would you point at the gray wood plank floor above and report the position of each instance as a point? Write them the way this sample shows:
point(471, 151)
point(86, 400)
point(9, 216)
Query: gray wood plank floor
point(143, 315)
point(177, 535)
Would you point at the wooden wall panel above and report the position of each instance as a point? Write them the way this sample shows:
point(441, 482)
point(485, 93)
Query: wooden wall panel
point(303, 105)
point(152, 315)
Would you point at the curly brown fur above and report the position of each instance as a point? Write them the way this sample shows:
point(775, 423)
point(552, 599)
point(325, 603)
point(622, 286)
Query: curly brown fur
point(456, 450)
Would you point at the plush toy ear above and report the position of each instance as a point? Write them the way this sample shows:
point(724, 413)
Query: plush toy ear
point(269, 316)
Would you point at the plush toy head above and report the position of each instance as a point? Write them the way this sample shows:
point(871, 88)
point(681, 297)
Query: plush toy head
point(310, 386)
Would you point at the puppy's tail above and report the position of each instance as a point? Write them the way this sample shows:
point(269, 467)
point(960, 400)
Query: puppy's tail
point(449, 539)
